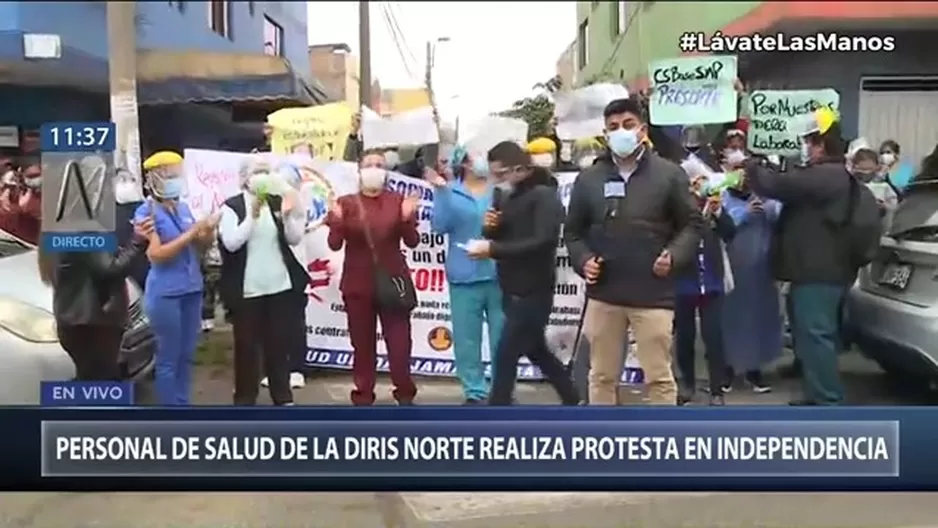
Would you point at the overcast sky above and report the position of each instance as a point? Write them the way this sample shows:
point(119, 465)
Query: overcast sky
point(497, 50)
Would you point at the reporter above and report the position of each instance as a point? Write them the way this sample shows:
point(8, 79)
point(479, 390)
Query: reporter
point(173, 295)
point(90, 303)
point(523, 242)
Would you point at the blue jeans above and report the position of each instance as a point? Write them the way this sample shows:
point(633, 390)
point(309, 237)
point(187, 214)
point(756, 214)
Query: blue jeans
point(177, 324)
point(471, 305)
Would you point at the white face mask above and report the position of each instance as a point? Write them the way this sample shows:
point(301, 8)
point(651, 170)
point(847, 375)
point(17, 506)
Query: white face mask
point(543, 160)
point(887, 159)
point(392, 159)
point(33, 183)
point(373, 179)
point(566, 152)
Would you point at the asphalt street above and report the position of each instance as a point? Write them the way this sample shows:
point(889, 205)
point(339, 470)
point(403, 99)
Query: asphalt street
point(489, 510)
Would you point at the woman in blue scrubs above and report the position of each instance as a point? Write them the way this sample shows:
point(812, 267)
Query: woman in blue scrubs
point(173, 294)
point(474, 294)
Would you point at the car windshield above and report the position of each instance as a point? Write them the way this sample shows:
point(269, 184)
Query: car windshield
point(11, 245)
point(917, 214)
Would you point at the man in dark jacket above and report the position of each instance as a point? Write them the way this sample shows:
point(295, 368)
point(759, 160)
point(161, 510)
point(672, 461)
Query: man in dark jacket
point(809, 253)
point(631, 222)
point(523, 231)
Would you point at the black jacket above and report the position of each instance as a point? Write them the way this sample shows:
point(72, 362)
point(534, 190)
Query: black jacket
point(90, 288)
point(658, 212)
point(524, 245)
point(807, 246)
point(231, 282)
point(140, 267)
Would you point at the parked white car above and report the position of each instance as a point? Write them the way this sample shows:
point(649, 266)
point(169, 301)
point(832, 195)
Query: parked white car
point(29, 345)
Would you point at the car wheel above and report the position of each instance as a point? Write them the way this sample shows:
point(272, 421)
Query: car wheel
point(902, 377)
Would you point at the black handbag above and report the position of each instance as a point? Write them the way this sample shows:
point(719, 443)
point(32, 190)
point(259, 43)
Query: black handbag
point(392, 292)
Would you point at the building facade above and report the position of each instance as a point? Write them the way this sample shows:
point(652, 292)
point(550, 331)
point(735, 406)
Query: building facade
point(396, 100)
point(211, 52)
point(882, 93)
point(566, 68)
point(336, 69)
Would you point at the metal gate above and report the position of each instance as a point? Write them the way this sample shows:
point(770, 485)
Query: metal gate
point(901, 108)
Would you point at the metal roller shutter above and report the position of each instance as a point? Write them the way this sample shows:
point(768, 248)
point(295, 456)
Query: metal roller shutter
point(904, 109)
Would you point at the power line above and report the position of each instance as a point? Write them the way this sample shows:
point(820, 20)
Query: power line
point(393, 9)
point(397, 38)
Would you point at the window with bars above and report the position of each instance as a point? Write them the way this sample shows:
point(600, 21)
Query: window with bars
point(273, 38)
point(582, 41)
point(218, 18)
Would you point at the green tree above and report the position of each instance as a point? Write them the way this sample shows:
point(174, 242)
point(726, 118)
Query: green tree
point(537, 110)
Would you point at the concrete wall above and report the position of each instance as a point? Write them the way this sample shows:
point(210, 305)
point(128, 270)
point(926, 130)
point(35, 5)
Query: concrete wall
point(82, 25)
point(566, 67)
point(652, 32)
point(337, 71)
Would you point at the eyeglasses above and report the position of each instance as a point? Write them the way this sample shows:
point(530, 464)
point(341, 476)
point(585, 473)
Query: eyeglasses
point(507, 170)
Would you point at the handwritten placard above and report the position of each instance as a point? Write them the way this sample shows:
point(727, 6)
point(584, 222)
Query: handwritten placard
point(211, 178)
point(776, 117)
point(693, 91)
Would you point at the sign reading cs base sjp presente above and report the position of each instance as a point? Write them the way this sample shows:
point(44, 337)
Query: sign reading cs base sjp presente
point(78, 207)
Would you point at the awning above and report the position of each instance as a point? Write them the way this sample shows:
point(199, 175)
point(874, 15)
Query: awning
point(170, 77)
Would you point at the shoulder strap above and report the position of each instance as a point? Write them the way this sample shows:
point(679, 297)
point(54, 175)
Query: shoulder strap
point(851, 200)
point(367, 230)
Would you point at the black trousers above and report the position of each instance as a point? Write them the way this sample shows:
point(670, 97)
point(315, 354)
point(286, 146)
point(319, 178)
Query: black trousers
point(261, 328)
point(526, 319)
point(710, 308)
point(296, 355)
point(94, 349)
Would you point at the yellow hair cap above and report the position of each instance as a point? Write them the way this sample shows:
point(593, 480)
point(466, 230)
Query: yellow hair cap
point(162, 159)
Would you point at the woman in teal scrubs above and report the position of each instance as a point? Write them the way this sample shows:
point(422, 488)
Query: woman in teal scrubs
point(475, 297)
point(173, 295)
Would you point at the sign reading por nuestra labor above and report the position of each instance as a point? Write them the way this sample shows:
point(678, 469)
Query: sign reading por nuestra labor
point(776, 117)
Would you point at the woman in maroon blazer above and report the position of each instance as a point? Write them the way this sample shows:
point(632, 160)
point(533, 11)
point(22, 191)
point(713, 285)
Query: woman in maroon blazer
point(390, 218)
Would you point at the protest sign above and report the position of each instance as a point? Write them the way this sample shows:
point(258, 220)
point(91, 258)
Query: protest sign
point(777, 116)
point(414, 127)
point(327, 328)
point(580, 113)
point(491, 130)
point(211, 178)
point(693, 90)
point(320, 131)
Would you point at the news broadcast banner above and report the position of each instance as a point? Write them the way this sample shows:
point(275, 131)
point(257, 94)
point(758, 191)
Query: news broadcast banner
point(86, 437)
point(78, 207)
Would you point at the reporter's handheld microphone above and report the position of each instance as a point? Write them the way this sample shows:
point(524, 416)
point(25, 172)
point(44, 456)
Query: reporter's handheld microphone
point(498, 198)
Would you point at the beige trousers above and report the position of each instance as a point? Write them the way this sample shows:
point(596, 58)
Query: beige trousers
point(606, 328)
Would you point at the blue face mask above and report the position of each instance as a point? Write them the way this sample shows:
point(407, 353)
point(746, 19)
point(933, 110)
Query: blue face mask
point(623, 142)
point(480, 167)
point(172, 188)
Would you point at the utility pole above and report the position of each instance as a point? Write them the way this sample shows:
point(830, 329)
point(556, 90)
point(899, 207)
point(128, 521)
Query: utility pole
point(364, 61)
point(122, 77)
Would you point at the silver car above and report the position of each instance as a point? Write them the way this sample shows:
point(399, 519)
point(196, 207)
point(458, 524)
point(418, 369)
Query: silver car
point(29, 346)
point(892, 311)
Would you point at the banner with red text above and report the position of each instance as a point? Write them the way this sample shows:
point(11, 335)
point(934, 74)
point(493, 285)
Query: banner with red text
point(212, 177)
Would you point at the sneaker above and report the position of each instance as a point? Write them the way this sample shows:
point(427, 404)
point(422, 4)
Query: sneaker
point(685, 395)
point(297, 380)
point(758, 385)
point(717, 400)
point(208, 325)
point(727, 387)
point(265, 382)
point(474, 401)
